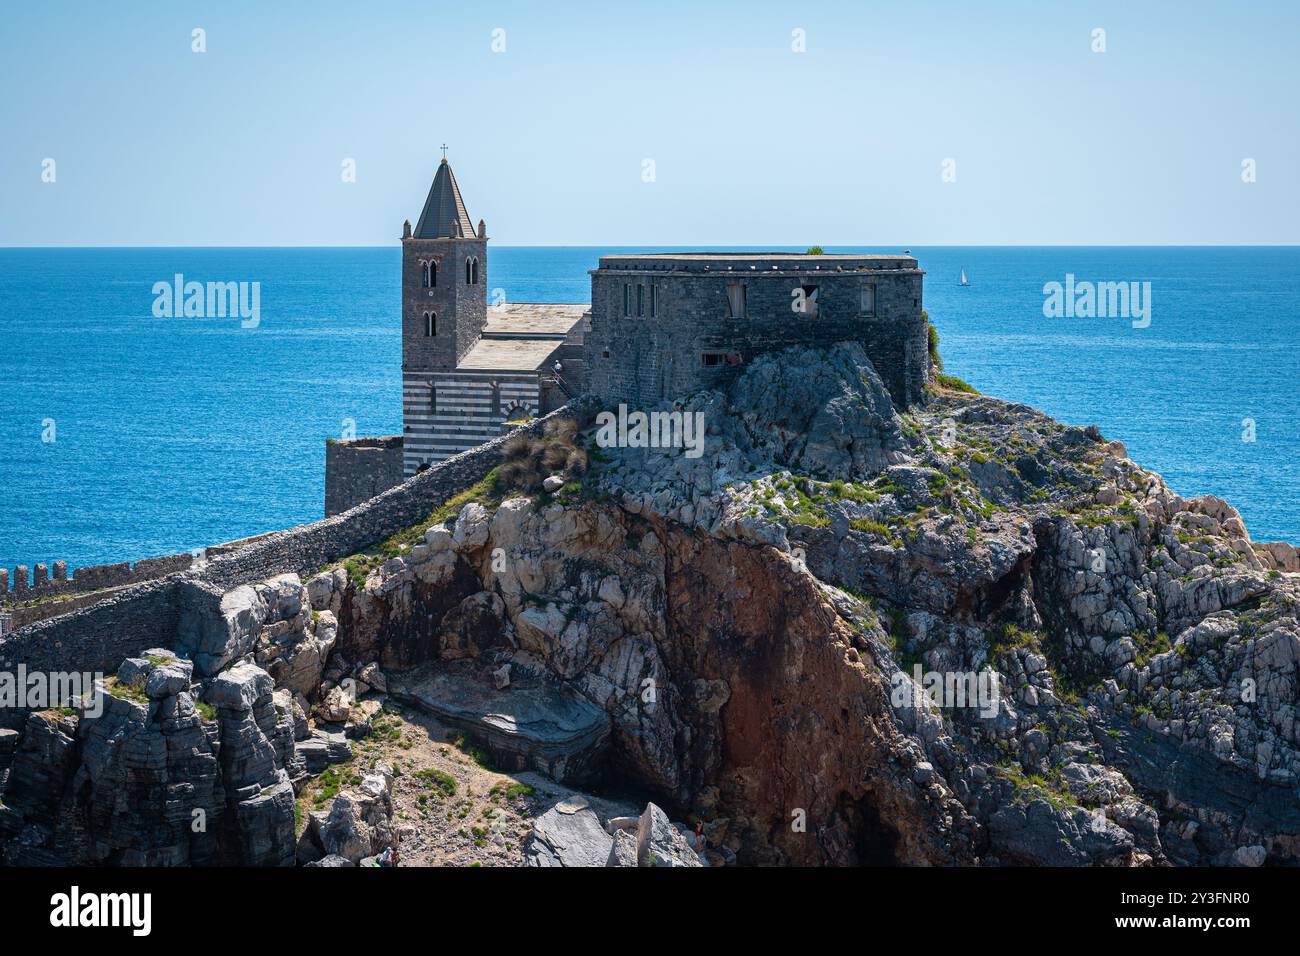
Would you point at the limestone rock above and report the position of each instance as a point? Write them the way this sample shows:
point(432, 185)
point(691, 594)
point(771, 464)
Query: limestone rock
point(360, 821)
point(568, 839)
point(658, 842)
point(335, 706)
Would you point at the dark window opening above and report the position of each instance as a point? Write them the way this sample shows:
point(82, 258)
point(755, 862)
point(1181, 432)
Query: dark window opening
point(652, 300)
point(736, 300)
point(711, 359)
point(640, 300)
point(430, 323)
point(627, 299)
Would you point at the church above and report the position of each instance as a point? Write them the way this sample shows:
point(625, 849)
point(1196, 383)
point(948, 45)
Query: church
point(471, 360)
point(659, 326)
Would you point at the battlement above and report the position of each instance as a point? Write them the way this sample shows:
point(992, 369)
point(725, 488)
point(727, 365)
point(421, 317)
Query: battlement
point(41, 580)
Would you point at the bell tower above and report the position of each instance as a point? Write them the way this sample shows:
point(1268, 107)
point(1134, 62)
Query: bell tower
point(444, 279)
point(444, 303)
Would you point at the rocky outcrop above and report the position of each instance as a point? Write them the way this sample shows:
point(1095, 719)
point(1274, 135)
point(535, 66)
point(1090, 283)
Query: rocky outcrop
point(359, 823)
point(961, 634)
point(536, 722)
point(144, 778)
point(750, 621)
point(571, 833)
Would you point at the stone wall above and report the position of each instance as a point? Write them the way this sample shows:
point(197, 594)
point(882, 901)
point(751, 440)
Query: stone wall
point(39, 582)
point(149, 615)
point(357, 469)
point(308, 548)
point(96, 639)
point(688, 340)
point(573, 356)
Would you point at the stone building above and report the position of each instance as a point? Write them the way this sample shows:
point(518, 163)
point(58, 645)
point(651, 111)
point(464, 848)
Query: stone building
point(666, 325)
point(659, 326)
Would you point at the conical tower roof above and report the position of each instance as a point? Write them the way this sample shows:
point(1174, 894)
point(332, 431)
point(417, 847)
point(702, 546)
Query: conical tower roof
point(444, 216)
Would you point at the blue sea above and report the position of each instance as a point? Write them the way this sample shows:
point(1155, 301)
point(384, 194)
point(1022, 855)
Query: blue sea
point(125, 436)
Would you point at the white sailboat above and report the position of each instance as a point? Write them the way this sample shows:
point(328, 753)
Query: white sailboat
point(964, 280)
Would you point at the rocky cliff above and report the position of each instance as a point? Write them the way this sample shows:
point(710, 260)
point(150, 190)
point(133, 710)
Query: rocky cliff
point(962, 634)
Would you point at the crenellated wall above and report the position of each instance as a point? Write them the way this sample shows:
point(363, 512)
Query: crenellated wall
point(38, 582)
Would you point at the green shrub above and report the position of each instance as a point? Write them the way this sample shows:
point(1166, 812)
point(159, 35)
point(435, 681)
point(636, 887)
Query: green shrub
point(870, 527)
point(954, 384)
point(437, 780)
point(932, 337)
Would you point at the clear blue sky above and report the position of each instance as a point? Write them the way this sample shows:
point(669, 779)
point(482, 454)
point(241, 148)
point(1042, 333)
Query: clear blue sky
point(753, 143)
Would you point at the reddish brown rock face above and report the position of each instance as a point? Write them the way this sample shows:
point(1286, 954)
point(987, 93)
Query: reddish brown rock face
point(764, 720)
point(807, 726)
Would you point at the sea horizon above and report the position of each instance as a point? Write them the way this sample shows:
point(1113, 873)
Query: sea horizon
point(182, 456)
point(717, 246)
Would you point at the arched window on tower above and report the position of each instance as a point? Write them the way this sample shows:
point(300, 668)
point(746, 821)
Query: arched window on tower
point(431, 323)
point(424, 274)
point(433, 274)
point(475, 270)
point(469, 274)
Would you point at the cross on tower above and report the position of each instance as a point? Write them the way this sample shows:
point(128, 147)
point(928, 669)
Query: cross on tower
point(444, 150)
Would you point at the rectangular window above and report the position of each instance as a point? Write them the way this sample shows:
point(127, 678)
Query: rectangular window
point(869, 299)
point(711, 359)
point(640, 299)
point(652, 300)
point(627, 299)
point(736, 300)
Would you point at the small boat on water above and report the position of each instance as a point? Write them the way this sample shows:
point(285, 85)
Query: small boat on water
point(964, 280)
